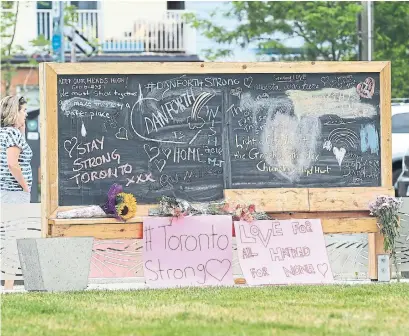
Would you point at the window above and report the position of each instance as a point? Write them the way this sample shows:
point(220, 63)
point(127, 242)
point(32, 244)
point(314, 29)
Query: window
point(175, 5)
point(85, 4)
point(400, 123)
point(44, 5)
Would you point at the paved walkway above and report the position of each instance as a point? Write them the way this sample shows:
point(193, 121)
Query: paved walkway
point(138, 285)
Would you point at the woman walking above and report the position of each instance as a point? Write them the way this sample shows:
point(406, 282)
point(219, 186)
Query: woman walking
point(15, 153)
point(15, 156)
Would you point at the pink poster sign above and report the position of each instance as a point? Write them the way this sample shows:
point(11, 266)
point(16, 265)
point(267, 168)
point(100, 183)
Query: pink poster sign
point(190, 251)
point(283, 252)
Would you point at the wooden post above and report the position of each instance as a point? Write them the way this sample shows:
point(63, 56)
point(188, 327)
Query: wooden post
point(375, 247)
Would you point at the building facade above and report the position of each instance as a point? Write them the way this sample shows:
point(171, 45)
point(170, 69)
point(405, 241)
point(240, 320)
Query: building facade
point(116, 30)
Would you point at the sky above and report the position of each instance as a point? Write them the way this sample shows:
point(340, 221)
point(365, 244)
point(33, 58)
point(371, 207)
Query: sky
point(203, 9)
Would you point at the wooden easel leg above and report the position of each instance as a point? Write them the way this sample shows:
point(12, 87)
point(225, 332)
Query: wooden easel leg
point(8, 284)
point(375, 247)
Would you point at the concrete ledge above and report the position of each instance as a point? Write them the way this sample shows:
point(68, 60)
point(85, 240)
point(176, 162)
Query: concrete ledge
point(55, 264)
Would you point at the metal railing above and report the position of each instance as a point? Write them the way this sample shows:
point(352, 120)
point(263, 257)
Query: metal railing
point(168, 33)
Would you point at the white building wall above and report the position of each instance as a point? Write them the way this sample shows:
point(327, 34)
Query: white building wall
point(119, 16)
point(26, 28)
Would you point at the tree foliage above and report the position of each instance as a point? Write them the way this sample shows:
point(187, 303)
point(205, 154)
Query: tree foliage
point(328, 29)
point(392, 42)
point(9, 49)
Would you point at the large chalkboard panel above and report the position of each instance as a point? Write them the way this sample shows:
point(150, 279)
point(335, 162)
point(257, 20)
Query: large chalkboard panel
point(192, 136)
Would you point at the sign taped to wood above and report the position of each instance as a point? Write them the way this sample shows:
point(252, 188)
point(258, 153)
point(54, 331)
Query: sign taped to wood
point(283, 252)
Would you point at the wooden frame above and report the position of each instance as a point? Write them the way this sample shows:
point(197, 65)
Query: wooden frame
point(350, 204)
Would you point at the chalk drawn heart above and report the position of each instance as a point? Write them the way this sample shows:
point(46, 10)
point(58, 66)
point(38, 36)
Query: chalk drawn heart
point(248, 81)
point(149, 150)
point(339, 154)
point(218, 269)
point(71, 145)
point(366, 89)
point(122, 134)
point(323, 269)
point(167, 152)
point(160, 164)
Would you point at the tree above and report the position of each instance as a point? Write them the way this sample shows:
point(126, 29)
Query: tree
point(8, 26)
point(392, 42)
point(8, 48)
point(328, 29)
point(42, 46)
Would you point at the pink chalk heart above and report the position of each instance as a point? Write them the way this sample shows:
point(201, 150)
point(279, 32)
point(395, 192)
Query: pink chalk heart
point(366, 89)
point(218, 269)
point(323, 269)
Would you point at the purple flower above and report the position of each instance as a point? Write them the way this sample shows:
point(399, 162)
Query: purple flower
point(109, 206)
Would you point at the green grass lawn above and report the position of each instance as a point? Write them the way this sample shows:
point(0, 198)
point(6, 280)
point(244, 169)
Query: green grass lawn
point(296, 310)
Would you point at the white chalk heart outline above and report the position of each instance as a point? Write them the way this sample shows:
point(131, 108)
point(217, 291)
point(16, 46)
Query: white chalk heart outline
point(248, 81)
point(167, 152)
point(151, 158)
point(72, 148)
point(119, 135)
point(160, 164)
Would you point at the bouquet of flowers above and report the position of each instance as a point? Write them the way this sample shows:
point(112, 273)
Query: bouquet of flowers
point(386, 209)
point(175, 207)
point(120, 205)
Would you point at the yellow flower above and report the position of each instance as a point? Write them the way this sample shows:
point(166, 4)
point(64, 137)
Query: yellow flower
point(127, 208)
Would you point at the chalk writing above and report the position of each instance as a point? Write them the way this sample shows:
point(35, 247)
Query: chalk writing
point(195, 135)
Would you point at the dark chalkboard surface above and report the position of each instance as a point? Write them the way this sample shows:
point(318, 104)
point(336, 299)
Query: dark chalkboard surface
point(192, 136)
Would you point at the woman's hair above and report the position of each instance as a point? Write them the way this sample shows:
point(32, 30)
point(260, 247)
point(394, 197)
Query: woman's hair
point(10, 106)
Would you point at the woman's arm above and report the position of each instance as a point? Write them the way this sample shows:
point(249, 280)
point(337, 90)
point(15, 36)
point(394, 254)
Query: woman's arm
point(13, 153)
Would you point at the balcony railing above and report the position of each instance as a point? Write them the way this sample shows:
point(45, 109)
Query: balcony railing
point(168, 33)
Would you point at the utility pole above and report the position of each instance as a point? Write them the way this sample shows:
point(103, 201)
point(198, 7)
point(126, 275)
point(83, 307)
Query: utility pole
point(366, 29)
point(73, 47)
point(58, 41)
point(62, 51)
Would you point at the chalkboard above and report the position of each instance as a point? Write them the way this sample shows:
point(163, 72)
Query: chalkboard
point(192, 136)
